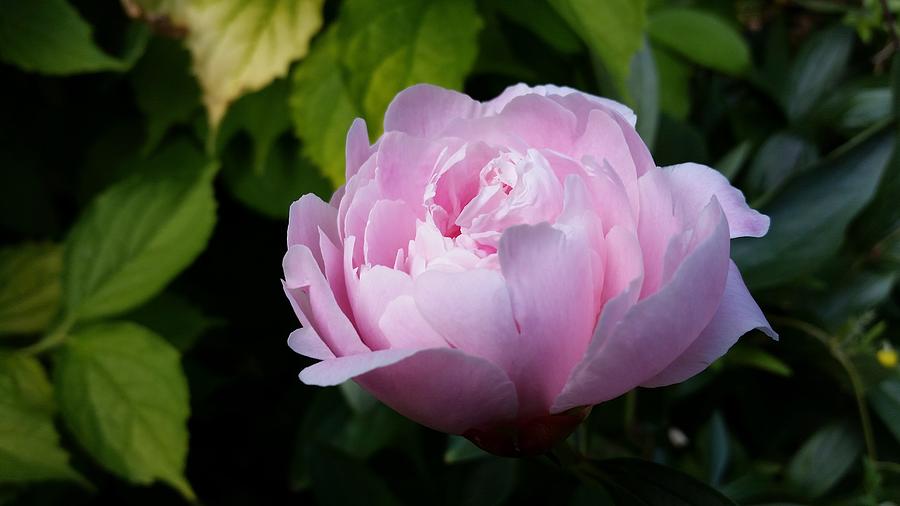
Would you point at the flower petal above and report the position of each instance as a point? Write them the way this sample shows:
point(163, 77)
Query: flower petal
point(472, 311)
point(694, 184)
point(308, 215)
point(552, 301)
point(313, 300)
point(441, 388)
point(305, 341)
point(656, 330)
point(738, 314)
point(424, 110)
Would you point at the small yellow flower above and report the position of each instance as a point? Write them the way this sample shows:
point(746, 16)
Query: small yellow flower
point(887, 356)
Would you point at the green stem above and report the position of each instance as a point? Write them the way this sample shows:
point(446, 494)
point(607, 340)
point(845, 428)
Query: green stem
point(834, 348)
point(50, 340)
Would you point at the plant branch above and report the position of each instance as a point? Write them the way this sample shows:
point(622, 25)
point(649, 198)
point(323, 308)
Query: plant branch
point(833, 345)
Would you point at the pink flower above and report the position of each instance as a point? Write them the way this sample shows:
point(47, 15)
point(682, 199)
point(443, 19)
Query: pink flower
point(494, 269)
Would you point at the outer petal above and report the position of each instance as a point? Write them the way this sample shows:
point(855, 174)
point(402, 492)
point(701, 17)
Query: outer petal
point(655, 331)
point(425, 110)
point(307, 216)
point(737, 314)
point(306, 342)
point(548, 90)
point(442, 388)
point(551, 290)
point(693, 185)
point(313, 300)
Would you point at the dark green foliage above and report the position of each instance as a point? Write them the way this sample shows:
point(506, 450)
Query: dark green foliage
point(118, 201)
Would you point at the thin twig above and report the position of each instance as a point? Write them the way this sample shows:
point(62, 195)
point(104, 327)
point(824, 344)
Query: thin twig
point(855, 380)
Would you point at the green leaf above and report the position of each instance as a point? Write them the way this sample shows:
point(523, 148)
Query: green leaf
point(334, 471)
point(390, 46)
point(674, 84)
point(50, 37)
point(612, 29)
point(731, 163)
point(367, 433)
point(460, 449)
point(374, 51)
point(124, 397)
point(640, 482)
point(263, 116)
point(885, 401)
point(811, 214)
point(164, 89)
point(882, 217)
point(29, 443)
point(817, 67)
point(702, 38)
point(139, 234)
point(539, 17)
point(823, 460)
point(753, 356)
point(174, 318)
point(239, 46)
point(718, 449)
point(359, 400)
point(780, 157)
point(29, 287)
point(490, 482)
point(285, 176)
point(322, 107)
point(643, 88)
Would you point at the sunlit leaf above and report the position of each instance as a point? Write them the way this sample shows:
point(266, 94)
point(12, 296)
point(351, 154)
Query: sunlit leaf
point(700, 37)
point(139, 234)
point(29, 443)
point(124, 397)
point(612, 29)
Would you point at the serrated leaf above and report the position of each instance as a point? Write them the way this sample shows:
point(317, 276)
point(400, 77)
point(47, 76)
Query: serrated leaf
point(374, 51)
point(612, 29)
point(139, 234)
point(29, 443)
point(322, 107)
point(50, 37)
point(811, 213)
point(29, 287)
point(388, 46)
point(700, 37)
point(239, 46)
point(644, 483)
point(124, 397)
point(823, 460)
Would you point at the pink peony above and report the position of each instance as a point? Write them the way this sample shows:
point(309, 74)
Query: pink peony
point(494, 269)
